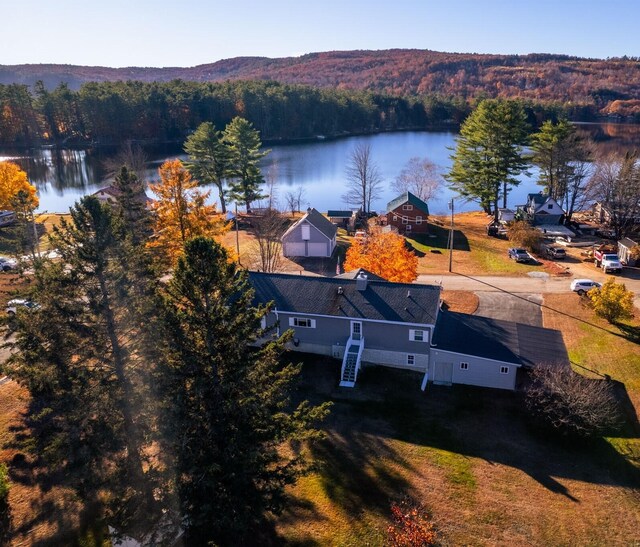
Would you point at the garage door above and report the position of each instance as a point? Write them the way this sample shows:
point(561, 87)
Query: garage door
point(443, 373)
point(294, 249)
point(317, 249)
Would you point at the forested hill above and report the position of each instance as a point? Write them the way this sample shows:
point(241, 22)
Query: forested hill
point(610, 85)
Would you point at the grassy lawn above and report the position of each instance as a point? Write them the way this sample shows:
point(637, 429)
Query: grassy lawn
point(467, 454)
point(474, 252)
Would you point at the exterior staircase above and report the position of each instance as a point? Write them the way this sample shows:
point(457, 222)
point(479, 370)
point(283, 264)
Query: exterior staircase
point(351, 362)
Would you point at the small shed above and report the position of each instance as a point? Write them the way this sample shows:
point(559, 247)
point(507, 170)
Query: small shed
point(626, 251)
point(344, 219)
point(311, 236)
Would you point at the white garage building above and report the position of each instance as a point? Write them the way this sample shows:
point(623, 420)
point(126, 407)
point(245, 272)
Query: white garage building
point(312, 235)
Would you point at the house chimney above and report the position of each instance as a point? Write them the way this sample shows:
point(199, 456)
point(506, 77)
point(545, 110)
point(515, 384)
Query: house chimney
point(340, 290)
point(361, 282)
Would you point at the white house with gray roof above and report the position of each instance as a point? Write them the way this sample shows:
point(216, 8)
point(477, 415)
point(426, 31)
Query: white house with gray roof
point(312, 235)
point(365, 320)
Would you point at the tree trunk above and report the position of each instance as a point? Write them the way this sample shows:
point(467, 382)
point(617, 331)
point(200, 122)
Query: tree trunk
point(223, 205)
point(134, 463)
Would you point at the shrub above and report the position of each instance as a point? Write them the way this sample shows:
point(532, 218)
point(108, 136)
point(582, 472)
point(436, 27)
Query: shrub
point(613, 301)
point(571, 404)
point(412, 526)
point(522, 234)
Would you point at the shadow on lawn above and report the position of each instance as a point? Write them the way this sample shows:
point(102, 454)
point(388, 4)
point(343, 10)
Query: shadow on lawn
point(441, 239)
point(481, 423)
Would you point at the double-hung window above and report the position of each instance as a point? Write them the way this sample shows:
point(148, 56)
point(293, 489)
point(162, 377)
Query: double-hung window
point(302, 322)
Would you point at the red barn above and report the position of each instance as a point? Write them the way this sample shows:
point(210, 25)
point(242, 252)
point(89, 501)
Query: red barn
point(408, 214)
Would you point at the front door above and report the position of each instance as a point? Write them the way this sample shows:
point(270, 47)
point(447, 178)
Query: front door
point(443, 373)
point(356, 330)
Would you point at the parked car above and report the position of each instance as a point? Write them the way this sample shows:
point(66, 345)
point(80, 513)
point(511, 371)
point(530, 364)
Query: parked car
point(555, 252)
point(7, 264)
point(18, 303)
point(583, 286)
point(519, 255)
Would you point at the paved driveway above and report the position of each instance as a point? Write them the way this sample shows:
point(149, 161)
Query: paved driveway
point(520, 308)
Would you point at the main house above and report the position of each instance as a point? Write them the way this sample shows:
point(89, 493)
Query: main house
point(312, 235)
point(363, 320)
point(408, 214)
point(541, 209)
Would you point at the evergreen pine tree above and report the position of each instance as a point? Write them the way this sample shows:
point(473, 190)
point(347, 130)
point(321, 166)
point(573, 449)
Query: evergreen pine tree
point(232, 413)
point(84, 354)
point(489, 153)
point(208, 158)
point(243, 143)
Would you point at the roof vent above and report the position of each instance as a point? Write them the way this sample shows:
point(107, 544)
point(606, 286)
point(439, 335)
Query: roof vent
point(408, 293)
point(340, 290)
point(361, 282)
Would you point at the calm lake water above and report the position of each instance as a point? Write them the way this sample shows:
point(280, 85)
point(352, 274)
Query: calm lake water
point(63, 176)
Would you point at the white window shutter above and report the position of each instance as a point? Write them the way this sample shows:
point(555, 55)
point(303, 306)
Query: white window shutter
point(292, 322)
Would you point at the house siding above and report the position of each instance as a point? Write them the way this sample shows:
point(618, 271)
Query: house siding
point(481, 372)
point(317, 245)
point(411, 216)
point(385, 343)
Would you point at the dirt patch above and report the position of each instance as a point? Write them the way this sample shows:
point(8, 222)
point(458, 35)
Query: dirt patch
point(460, 301)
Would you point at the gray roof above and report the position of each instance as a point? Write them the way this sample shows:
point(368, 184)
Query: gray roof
point(355, 273)
point(499, 340)
point(538, 198)
point(408, 197)
point(339, 214)
point(382, 300)
point(322, 223)
point(627, 242)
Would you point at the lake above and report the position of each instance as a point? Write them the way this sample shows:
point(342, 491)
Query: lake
point(62, 176)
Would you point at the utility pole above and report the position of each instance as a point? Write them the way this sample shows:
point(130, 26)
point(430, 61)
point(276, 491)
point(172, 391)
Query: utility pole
point(237, 234)
point(451, 237)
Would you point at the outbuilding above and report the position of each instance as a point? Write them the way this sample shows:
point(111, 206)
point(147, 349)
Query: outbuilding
point(627, 251)
point(312, 235)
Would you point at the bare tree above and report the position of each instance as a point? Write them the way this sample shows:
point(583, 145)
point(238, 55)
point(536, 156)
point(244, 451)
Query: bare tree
point(364, 181)
point(271, 186)
point(616, 185)
point(576, 196)
point(421, 177)
point(130, 155)
point(570, 403)
point(294, 199)
point(268, 230)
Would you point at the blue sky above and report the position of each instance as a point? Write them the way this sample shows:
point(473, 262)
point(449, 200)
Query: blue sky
point(190, 32)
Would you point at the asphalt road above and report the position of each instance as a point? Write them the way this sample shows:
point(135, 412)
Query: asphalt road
point(540, 283)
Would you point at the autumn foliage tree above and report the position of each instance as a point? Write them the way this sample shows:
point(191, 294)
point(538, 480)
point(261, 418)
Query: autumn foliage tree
point(181, 212)
point(613, 301)
point(13, 181)
point(384, 254)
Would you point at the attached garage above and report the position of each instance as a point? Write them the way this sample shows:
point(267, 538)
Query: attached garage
point(485, 352)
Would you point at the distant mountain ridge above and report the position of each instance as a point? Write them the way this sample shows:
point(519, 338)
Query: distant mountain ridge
point(396, 71)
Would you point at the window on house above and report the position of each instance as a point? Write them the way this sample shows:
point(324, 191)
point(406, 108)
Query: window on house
point(407, 207)
point(418, 220)
point(302, 322)
point(395, 217)
point(417, 335)
point(464, 366)
point(504, 370)
point(306, 231)
point(411, 360)
point(409, 228)
point(405, 221)
point(550, 206)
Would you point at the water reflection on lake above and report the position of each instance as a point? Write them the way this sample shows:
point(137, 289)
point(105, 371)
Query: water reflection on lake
point(63, 176)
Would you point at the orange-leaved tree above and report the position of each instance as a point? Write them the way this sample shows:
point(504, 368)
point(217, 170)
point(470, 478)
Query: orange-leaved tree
point(181, 212)
point(384, 254)
point(14, 184)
